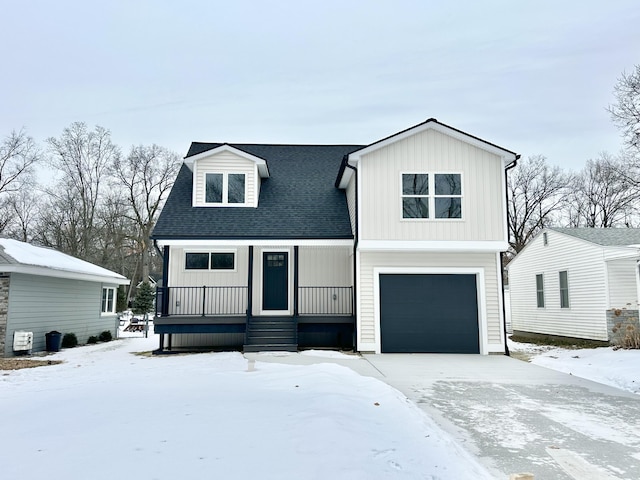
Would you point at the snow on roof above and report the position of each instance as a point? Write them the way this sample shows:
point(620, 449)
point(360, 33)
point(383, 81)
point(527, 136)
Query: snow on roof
point(19, 253)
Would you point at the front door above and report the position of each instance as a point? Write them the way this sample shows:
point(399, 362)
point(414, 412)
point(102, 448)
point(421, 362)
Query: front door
point(275, 281)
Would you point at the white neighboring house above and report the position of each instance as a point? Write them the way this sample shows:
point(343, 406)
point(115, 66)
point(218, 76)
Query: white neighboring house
point(576, 282)
point(43, 290)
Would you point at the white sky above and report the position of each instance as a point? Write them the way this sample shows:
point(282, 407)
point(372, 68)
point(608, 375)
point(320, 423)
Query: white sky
point(532, 76)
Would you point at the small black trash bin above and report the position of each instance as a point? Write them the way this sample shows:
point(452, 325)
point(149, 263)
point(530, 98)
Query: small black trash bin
point(53, 341)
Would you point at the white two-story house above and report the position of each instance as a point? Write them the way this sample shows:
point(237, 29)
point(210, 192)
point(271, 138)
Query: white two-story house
point(389, 247)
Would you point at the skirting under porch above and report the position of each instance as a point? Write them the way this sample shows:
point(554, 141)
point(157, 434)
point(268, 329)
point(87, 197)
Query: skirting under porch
point(259, 333)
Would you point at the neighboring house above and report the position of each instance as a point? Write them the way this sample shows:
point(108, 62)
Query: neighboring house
point(569, 281)
point(43, 290)
point(388, 247)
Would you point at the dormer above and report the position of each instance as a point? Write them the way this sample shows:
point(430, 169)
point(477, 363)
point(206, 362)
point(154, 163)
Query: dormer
point(225, 176)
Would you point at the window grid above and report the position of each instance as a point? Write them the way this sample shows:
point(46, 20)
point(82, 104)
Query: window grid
point(431, 196)
point(225, 188)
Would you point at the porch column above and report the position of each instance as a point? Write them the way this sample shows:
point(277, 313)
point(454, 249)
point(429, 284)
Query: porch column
point(295, 280)
point(250, 283)
point(164, 308)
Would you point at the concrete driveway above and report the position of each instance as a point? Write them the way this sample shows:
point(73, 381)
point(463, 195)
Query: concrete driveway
point(514, 416)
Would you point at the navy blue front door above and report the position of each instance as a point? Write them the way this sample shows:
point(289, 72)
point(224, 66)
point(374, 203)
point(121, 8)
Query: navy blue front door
point(275, 281)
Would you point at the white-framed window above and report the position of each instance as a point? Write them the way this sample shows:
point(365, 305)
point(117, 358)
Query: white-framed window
point(221, 260)
point(564, 289)
point(108, 300)
point(225, 188)
point(540, 290)
point(431, 195)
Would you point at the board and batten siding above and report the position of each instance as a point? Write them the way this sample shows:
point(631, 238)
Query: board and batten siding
point(225, 162)
point(41, 304)
point(623, 291)
point(487, 262)
point(482, 175)
point(586, 271)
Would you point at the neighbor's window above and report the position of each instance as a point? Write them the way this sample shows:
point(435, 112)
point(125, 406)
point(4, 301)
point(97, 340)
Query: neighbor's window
point(210, 261)
point(564, 290)
point(108, 300)
point(540, 290)
point(431, 196)
point(225, 188)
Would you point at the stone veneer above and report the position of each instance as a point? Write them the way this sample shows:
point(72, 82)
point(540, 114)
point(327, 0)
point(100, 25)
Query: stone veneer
point(619, 322)
point(4, 310)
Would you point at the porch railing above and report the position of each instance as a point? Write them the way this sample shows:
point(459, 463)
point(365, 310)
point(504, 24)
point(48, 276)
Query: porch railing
point(203, 301)
point(325, 300)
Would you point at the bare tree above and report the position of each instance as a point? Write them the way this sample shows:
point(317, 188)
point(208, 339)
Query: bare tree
point(84, 158)
point(24, 210)
point(18, 155)
point(602, 194)
point(625, 112)
point(146, 175)
point(536, 194)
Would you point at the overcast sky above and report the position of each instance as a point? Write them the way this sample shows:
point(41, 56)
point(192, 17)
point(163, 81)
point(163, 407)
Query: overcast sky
point(534, 77)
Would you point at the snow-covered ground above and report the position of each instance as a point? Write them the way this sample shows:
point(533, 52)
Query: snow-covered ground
point(618, 368)
point(107, 413)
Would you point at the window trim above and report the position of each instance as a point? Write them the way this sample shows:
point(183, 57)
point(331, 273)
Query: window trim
point(114, 301)
point(565, 289)
point(234, 252)
point(431, 197)
point(540, 290)
point(225, 190)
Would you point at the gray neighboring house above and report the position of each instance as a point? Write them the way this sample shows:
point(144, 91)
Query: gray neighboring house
point(576, 282)
point(42, 290)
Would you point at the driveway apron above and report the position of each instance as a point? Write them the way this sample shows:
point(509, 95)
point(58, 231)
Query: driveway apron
point(518, 417)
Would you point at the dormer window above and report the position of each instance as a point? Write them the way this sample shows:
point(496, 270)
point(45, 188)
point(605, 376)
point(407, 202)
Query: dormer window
point(225, 188)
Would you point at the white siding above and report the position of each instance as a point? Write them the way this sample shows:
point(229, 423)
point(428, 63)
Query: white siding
point(225, 162)
point(41, 304)
point(325, 266)
point(180, 277)
point(483, 261)
point(482, 175)
point(622, 284)
point(585, 317)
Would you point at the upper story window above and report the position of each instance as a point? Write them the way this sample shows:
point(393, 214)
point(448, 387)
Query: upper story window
point(210, 261)
point(437, 195)
point(225, 188)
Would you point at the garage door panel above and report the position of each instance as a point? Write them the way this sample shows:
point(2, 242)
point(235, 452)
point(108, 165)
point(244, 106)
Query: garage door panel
point(429, 313)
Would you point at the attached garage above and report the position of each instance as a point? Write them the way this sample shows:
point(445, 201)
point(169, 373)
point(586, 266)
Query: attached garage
point(429, 313)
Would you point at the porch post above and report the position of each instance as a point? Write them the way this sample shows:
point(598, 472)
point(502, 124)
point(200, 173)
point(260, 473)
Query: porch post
point(250, 284)
point(165, 282)
point(295, 281)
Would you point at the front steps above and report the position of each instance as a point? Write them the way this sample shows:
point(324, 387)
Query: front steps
point(270, 334)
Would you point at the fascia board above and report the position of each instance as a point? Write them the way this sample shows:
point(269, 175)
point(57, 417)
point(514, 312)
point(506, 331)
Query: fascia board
point(433, 246)
point(256, 242)
point(52, 272)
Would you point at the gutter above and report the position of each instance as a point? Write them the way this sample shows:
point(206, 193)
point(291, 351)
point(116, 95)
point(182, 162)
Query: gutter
point(504, 310)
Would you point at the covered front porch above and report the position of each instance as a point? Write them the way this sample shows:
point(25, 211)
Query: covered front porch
point(267, 298)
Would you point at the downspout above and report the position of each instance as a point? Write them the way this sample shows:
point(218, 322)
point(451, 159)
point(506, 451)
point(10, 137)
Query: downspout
point(355, 250)
point(504, 310)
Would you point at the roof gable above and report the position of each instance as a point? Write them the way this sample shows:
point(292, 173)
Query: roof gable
point(214, 149)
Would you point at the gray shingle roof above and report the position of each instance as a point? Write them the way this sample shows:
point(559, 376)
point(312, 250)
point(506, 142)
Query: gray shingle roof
point(298, 200)
point(604, 236)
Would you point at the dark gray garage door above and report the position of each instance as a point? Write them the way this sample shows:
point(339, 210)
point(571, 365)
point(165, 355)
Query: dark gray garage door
point(429, 313)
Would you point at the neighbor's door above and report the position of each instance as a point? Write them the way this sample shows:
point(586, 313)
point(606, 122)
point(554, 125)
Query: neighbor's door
point(275, 281)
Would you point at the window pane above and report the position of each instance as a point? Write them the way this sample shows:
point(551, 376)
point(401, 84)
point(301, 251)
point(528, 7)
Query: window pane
point(564, 290)
point(197, 261)
point(415, 207)
point(222, 261)
point(448, 208)
point(213, 192)
point(110, 299)
point(236, 188)
point(448, 184)
point(104, 300)
point(540, 290)
point(415, 184)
